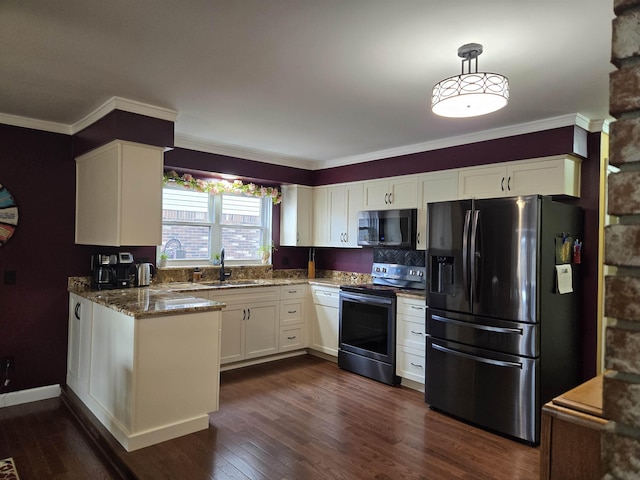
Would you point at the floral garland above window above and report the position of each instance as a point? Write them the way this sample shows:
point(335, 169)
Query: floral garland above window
point(221, 186)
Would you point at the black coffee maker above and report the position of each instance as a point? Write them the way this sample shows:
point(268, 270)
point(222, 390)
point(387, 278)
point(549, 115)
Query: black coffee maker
point(114, 270)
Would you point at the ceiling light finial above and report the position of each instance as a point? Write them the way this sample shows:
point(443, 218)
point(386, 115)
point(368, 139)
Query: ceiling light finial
point(470, 94)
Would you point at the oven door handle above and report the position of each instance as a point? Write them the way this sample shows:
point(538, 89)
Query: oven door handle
point(366, 299)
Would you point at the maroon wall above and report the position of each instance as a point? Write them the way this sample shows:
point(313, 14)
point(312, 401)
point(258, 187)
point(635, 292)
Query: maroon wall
point(557, 141)
point(38, 170)
point(123, 126)
point(194, 161)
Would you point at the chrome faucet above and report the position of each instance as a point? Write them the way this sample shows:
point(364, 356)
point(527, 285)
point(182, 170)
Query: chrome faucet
point(223, 275)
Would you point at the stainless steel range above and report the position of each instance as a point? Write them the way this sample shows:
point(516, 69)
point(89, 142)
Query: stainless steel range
point(367, 330)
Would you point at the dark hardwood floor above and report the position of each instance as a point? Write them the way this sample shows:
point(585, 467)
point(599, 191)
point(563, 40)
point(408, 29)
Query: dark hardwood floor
point(300, 418)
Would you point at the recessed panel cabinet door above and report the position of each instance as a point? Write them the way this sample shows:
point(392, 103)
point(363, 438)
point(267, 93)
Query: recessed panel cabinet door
point(262, 329)
point(233, 327)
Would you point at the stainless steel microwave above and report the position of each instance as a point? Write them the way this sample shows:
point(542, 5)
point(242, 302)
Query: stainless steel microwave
point(387, 228)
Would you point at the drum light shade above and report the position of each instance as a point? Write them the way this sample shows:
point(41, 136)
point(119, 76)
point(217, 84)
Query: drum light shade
point(472, 93)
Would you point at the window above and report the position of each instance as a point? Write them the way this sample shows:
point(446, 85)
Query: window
point(196, 225)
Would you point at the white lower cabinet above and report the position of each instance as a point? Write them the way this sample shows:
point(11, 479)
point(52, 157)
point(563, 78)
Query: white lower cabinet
point(250, 323)
point(324, 330)
point(147, 379)
point(410, 339)
point(293, 332)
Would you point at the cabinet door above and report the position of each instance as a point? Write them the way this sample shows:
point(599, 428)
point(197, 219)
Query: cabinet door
point(296, 216)
point(79, 347)
point(403, 192)
point(433, 187)
point(483, 182)
point(262, 329)
point(337, 215)
point(354, 205)
point(325, 330)
point(320, 217)
point(375, 195)
point(552, 177)
point(232, 345)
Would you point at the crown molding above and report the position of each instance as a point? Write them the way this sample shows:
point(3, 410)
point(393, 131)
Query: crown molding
point(493, 134)
point(34, 124)
point(114, 103)
point(203, 145)
point(126, 105)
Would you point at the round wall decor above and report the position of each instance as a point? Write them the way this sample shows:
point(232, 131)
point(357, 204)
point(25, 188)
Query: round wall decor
point(8, 215)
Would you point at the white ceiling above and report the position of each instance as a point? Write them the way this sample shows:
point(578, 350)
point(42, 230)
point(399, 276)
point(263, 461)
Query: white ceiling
point(303, 82)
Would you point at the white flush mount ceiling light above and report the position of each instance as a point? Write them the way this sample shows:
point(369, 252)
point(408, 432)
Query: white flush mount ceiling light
point(472, 93)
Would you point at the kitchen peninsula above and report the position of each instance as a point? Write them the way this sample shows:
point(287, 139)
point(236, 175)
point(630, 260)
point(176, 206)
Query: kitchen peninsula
point(145, 362)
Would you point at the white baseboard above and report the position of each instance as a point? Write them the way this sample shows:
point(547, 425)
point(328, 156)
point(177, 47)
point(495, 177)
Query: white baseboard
point(31, 395)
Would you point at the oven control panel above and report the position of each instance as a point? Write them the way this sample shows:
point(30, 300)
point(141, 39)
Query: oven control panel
point(398, 272)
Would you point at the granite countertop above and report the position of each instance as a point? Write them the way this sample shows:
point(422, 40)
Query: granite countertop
point(148, 302)
point(182, 297)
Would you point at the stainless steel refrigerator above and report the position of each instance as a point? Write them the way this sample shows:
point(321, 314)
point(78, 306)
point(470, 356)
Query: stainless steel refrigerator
point(501, 340)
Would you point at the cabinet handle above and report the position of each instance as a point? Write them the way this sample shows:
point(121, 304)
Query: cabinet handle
point(390, 198)
point(502, 184)
point(291, 338)
point(386, 198)
point(292, 291)
point(418, 237)
point(413, 307)
point(248, 314)
point(291, 311)
point(509, 184)
point(76, 311)
point(244, 314)
point(416, 333)
point(416, 365)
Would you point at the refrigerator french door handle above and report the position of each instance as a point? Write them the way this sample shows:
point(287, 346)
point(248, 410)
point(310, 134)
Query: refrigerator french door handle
point(497, 363)
point(486, 328)
point(465, 254)
point(473, 257)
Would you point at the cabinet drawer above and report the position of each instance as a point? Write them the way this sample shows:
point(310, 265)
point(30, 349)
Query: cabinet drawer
point(411, 333)
point(291, 312)
point(412, 306)
point(411, 364)
point(292, 338)
point(292, 291)
point(326, 296)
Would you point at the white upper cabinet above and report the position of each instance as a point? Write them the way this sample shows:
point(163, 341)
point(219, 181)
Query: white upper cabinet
point(391, 193)
point(557, 175)
point(344, 202)
point(296, 216)
point(433, 187)
point(320, 217)
point(119, 195)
